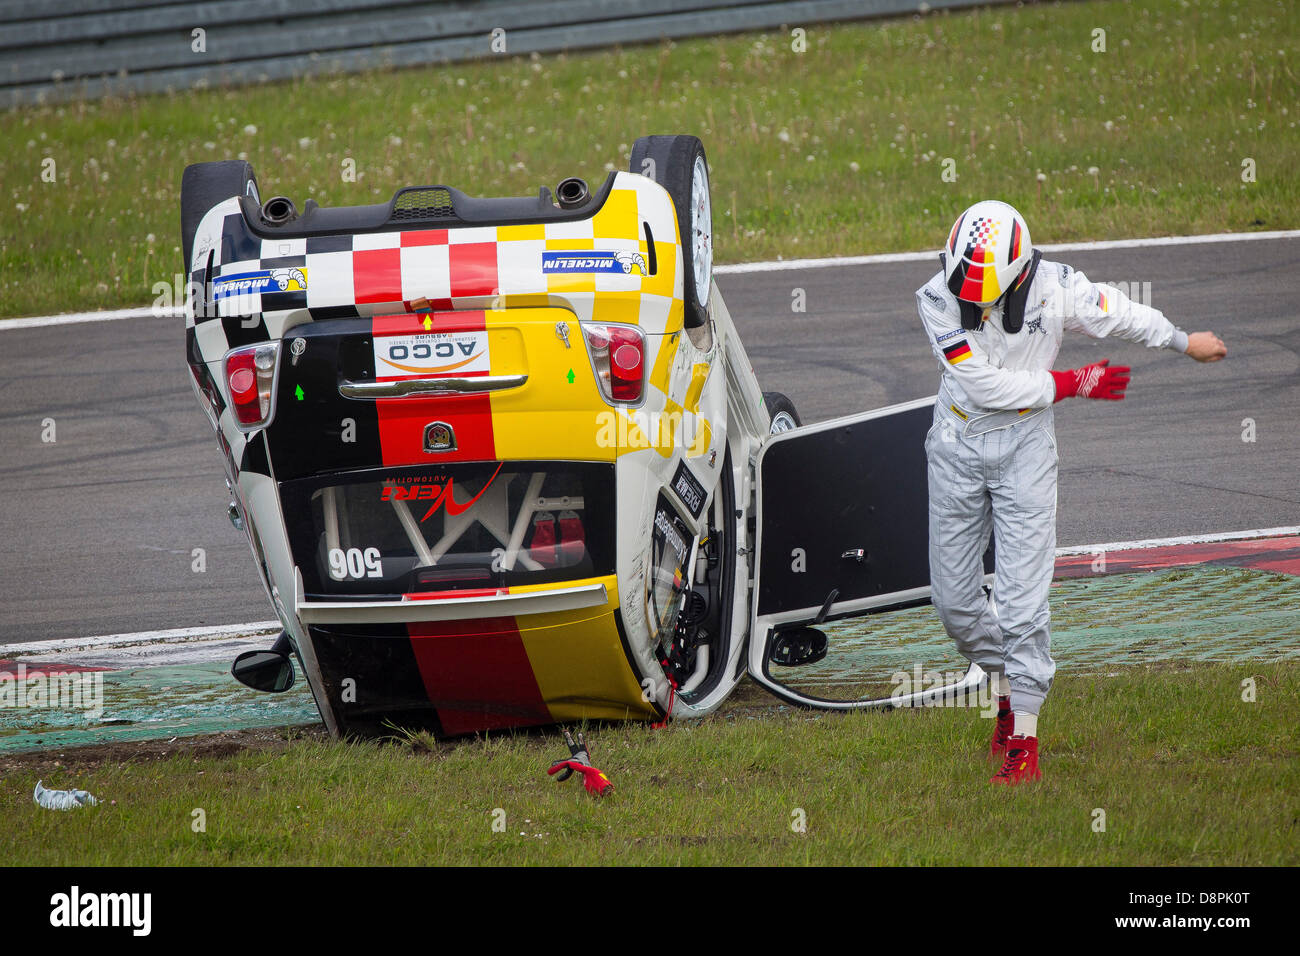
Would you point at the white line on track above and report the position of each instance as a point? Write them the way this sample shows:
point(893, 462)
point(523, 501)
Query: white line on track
point(106, 316)
point(221, 632)
point(795, 264)
point(1182, 539)
point(781, 265)
point(175, 635)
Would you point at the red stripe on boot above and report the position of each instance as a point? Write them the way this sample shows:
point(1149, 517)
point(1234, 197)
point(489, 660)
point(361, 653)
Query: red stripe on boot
point(402, 420)
point(477, 674)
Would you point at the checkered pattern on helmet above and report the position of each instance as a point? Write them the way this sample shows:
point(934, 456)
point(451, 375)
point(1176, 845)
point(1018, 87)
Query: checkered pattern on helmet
point(983, 231)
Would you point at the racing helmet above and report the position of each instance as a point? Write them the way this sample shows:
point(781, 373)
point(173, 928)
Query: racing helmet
point(988, 254)
point(987, 250)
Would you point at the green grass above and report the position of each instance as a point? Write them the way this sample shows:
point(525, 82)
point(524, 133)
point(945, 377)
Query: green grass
point(1186, 772)
point(833, 151)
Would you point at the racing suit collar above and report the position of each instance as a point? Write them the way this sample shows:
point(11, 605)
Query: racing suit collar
point(1013, 301)
point(1013, 312)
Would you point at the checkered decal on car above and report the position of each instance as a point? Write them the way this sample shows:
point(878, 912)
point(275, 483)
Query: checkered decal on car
point(250, 289)
point(256, 294)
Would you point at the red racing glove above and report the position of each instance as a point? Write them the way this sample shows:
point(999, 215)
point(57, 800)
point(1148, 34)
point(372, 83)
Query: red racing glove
point(594, 780)
point(580, 760)
point(1097, 380)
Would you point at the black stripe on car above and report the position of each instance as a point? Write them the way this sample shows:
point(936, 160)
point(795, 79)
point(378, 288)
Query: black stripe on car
point(237, 244)
point(243, 330)
point(317, 430)
point(329, 244)
point(385, 689)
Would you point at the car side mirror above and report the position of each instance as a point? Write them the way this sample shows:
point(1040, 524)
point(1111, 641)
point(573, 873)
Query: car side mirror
point(270, 671)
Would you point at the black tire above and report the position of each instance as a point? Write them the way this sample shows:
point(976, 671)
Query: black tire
point(670, 161)
point(778, 406)
point(203, 185)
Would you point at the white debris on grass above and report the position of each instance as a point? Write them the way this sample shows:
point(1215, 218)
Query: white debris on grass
point(62, 799)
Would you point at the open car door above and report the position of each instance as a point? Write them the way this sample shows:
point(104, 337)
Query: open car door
point(842, 531)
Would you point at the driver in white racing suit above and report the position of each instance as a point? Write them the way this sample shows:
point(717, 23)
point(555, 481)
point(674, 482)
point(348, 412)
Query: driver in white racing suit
point(995, 315)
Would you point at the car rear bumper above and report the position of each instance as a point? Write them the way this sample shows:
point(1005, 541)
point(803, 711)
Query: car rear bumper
point(524, 659)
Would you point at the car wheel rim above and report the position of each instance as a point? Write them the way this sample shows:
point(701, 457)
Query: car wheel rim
point(783, 422)
point(701, 230)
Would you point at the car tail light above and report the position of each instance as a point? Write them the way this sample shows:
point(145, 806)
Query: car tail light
point(618, 359)
point(250, 380)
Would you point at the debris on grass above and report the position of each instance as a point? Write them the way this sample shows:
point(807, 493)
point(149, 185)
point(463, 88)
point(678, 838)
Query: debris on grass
point(62, 799)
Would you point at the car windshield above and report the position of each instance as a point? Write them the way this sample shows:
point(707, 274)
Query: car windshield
point(456, 527)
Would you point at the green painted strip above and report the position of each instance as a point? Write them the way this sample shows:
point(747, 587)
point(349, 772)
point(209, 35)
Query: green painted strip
point(149, 703)
point(1193, 614)
point(1182, 614)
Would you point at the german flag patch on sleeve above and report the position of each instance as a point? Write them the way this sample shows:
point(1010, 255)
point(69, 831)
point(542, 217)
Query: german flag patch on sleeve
point(959, 351)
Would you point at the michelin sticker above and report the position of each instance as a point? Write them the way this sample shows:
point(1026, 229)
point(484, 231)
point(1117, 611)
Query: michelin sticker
point(255, 283)
point(431, 353)
point(582, 262)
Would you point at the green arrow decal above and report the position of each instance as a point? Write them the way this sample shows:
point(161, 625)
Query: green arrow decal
point(297, 392)
point(570, 376)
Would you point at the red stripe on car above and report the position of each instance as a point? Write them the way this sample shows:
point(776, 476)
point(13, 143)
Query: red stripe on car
point(449, 595)
point(402, 420)
point(477, 674)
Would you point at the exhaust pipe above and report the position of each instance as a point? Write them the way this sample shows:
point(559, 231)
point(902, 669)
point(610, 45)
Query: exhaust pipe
point(572, 192)
point(278, 210)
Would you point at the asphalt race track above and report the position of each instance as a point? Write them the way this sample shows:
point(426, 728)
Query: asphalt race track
point(100, 526)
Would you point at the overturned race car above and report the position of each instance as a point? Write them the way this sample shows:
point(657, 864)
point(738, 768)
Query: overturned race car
point(503, 462)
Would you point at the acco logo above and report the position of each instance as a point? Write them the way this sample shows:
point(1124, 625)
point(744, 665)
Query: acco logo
point(426, 353)
point(427, 350)
point(438, 494)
